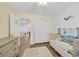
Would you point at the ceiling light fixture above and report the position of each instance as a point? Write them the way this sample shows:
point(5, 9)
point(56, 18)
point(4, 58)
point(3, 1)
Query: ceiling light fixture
point(42, 3)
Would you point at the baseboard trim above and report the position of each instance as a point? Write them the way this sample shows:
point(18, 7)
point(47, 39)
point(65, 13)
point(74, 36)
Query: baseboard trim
point(40, 43)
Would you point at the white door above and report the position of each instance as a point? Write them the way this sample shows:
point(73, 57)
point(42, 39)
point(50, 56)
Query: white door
point(14, 26)
point(41, 31)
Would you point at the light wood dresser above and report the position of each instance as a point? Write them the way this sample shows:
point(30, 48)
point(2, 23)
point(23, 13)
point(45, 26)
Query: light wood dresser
point(8, 47)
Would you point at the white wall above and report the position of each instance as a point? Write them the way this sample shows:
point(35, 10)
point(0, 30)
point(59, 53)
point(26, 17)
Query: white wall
point(71, 11)
point(33, 18)
point(4, 20)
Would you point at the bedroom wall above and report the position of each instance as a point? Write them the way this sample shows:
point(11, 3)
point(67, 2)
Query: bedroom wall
point(4, 20)
point(73, 22)
point(5, 11)
point(32, 18)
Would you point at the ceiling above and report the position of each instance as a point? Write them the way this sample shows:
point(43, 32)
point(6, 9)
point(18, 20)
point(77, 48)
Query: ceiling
point(53, 8)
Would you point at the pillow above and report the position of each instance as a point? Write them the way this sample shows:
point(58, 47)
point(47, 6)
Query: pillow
point(64, 45)
point(63, 32)
point(58, 37)
point(70, 38)
point(64, 40)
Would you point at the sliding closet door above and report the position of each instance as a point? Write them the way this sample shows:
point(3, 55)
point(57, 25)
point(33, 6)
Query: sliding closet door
point(41, 31)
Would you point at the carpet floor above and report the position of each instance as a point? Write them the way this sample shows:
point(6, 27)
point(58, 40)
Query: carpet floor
point(37, 52)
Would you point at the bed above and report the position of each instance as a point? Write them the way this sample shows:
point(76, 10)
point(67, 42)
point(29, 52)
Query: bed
point(66, 42)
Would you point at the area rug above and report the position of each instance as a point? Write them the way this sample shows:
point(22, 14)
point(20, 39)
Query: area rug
point(37, 52)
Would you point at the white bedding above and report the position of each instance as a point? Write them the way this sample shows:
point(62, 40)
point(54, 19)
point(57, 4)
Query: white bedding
point(64, 45)
point(60, 47)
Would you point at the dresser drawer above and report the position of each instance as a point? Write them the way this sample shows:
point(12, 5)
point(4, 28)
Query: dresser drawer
point(8, 46)
point(10, 53)
point(14, 44)
point(4, 49)
point(9, 49)
point(11, 45)
point(2, 53)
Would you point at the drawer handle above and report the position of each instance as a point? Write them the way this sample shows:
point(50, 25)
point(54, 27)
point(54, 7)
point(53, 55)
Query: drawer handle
point(14, 49)
point(0, 53)
point(14, 43)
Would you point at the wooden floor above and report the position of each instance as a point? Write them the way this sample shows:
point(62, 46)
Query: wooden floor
point(25, 44)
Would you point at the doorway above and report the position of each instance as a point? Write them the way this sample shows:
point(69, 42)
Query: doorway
point(24, 25)
point(20, 27)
